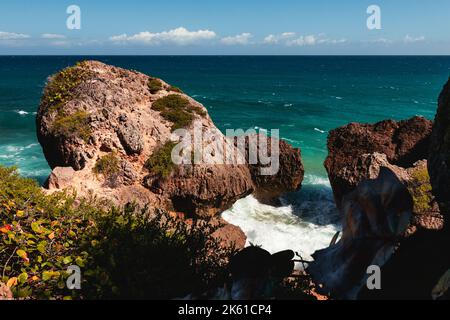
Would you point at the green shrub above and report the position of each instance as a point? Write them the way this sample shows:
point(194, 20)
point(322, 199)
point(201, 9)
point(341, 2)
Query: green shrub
point(175, 89)
point(160, 162)
point(72, 125)
point(107, 165)
point(60, 88)
point(127, 253)
point(177, 110)
point(154, 85)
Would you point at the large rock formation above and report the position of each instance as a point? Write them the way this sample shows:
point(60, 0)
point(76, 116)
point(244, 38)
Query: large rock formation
point(403, 143)
point(439, 159)
point(376, 215)
point(392, 220)
point(110, 132)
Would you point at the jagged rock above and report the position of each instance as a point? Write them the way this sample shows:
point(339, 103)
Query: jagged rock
point(289, 168)
point(439, 159)
point(131, 139)
point(376, 214)
point(403, 143)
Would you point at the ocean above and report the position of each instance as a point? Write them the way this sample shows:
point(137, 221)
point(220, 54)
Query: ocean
point(302, 96)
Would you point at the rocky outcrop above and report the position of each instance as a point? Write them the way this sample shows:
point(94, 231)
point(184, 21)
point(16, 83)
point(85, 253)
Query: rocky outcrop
point(403, 143)
point(376, 214)
point(439, 159)
point(110, 132)
point(288, 167)
point(380, 177)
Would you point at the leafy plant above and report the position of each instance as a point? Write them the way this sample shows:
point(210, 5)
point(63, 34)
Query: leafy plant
point(122, 253)
point(175, 89)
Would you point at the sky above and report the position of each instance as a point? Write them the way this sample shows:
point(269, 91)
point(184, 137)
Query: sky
point(231, 27)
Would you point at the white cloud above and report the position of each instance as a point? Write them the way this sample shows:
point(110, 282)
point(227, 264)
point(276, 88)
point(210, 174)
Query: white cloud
point(12, 36)
point(382, 41)
point(274, 39)
point(309, 40)
point(52, 36)
point(292, 39)
point(239, 39)
point(409, 39)
point(178, 36)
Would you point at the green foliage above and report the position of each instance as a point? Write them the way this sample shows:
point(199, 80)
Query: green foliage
point(72, 125)
point(154, 85)
point(107, 165)
point(127, 253)
point(177, 110)
point(160, 162)
point(61, 87)
point(421, 190)
point(175, 89)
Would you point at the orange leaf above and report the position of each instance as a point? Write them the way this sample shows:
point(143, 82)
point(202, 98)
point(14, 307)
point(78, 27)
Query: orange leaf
point(23, 255)
point(51, 236)
point(6, 228)
point(11, 282)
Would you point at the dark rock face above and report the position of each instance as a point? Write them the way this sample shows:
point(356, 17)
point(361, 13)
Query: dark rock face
point(403, 143)
point(376, 214)
point(439, 159)
point(289, 174)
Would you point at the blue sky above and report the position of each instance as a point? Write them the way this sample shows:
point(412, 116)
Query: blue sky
point(225, 27)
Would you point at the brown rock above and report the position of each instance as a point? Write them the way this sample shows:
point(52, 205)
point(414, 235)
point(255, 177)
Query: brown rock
point(403, 143)
point(60, 178)
point(289, 174)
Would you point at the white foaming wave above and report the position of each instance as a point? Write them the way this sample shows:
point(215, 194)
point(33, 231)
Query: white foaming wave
point(21, 112)
point(277, 229)
point(316, 180)
point(319, 130)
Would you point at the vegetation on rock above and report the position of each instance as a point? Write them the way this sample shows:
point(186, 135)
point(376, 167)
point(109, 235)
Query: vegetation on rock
point(154, 85)
point(421, 190)
point(60, 88)
point(72, 125)
point(177, 110)
point(107, 165)
point(122, 253)
point(175, 89)
point(160, 162)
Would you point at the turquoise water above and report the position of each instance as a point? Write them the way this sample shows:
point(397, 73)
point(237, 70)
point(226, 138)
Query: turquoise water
point(304, 97)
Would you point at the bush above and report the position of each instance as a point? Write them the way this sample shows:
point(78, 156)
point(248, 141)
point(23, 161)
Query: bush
point(73, 125)
point(160, 162)
point(107, 165)
point(60, 88)
point(177, 110)
point(154, 85)
point(122, 253)
point(175, 89)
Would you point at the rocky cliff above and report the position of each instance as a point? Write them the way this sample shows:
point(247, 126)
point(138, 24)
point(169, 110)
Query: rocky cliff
point(110, 132)
point(391, 219)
